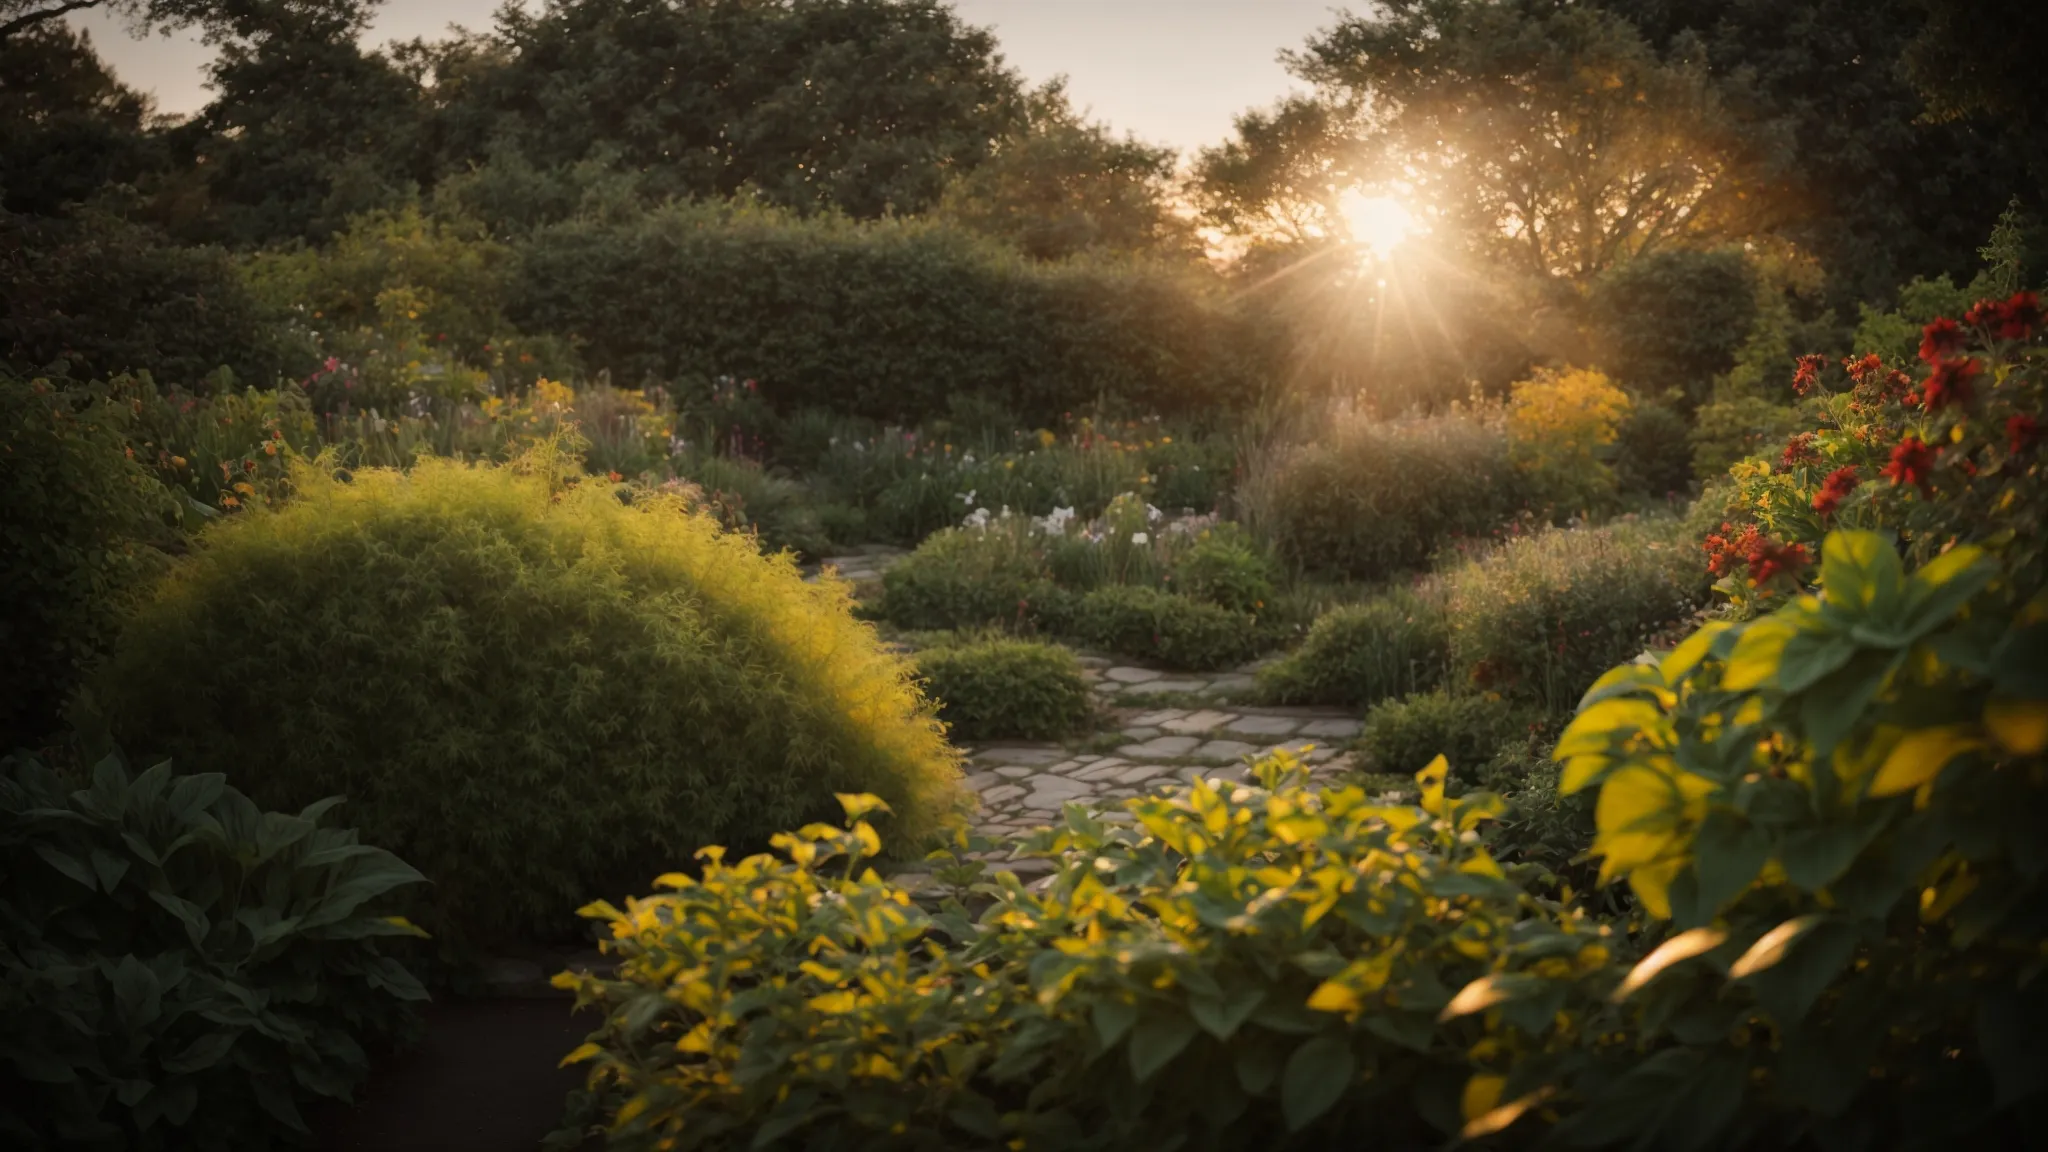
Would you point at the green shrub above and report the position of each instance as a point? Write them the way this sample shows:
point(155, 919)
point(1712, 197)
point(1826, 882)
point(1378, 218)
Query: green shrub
point(530, 691)
point(179, 969)
point(747, 497)
point(1225, 568)
point(1390, 645)
point(76, 513)
point(1652, 450)
point(1541, 618)
point(1674, 319)
point(999, 689)
point(885, 320)
point(964, 578)
point(106, 296)
point(1370, 499)
point(1466, 729)
point(1733, 428)
point(1158, 627)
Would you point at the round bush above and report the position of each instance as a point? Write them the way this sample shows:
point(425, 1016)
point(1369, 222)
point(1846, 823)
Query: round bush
point(1146, 624)
point(1467, 730)
point(959, 578)
point(535, 694)
point(1000, 689)
point(1223, 568)
point(1390, 645)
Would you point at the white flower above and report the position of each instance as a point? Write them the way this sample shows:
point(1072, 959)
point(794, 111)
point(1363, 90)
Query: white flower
point(977, 519)
point(966, 497)
point(1153, 515)
point(1141, 538)
point(968, 458)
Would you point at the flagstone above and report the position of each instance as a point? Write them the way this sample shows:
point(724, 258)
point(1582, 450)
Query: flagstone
point(1129, 675)
point(1161, 746)
point(1201, 721)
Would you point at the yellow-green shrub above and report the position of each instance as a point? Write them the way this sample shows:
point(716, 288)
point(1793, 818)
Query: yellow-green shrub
point(1390, 645)
point(1259, 967)
point(530, 690)
point(1561, 426)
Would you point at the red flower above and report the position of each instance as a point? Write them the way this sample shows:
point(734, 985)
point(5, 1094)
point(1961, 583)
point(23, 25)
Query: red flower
point(1912, 461)
point(1723, 554)
point(1950, 382)
point(1768, 558)
point(1808, 374)
point(1939, 339)
point(1865, 369)
point(2013, 318)
point(1834, 489)
point(2020, 433)
point(1799, 450)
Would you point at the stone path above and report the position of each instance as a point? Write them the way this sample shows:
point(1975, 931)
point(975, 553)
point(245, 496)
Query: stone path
point(858, 567)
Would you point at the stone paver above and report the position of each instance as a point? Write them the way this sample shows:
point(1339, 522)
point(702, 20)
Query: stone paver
point(1161, 746)
point(1133, 675)
point(1176, 686)
point(1341, 729)
point(1201, 721)
point(1225, 750)
point(1263, 726)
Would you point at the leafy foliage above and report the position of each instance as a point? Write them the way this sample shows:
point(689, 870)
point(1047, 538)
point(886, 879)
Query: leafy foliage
point(799, 998)
point(1468, 730)
point(1005, 689)
point(531, 688)
point(1540, 618)
point(77, 517)
point(182, 969)
point(1374, 498)
point(1225, 568)
point(1673, 320)
point(1390, 645)
point(1652, 453)
point(1561, 428)
point(1159, 627)
point(885, 320)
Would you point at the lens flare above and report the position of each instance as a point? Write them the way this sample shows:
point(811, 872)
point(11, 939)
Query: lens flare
point(1378, 223)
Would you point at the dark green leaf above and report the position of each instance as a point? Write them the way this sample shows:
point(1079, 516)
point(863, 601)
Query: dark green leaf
point(1112, 1018)
point(1157, 1039)
point(67, 864)
point(1317, 1076)
point(1257, 1067)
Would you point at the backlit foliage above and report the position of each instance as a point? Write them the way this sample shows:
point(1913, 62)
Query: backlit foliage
point(1561, 426)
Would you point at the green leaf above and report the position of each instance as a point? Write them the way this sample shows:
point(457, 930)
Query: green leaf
point(197, 926)
point(1412, 1030)
point(1112, 1018)
point(69, 865)
point(1727, 854)
point(1809, 656)
point(1257, 1066)
point(1816, 857)
point(1222, 1018)
point(1317, 1075)
point(202, 1053)
point(1942, 586)
point(1156, 1040)
point(1788, 988)
point(1861, 572)
point(109, 868)
point(1830, 709)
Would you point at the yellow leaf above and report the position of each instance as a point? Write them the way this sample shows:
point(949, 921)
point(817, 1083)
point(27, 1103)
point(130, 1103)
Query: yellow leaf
point(1477, 996)
point(1432, 781)
point(1683, 946)
point(870, 843)
point(1482, 1095)
point(1757, 655)
point(1482, 864)
point(1687, 656)
point(2021, 726)
point(1332, 996)
point(583, 1052)
point(1640, 811)
point(1593, 731)
point(833, 1003)
point(1652, 886)
point(859, 804)
point(1920, 756)
point(1770, 947)
point(1580, 771)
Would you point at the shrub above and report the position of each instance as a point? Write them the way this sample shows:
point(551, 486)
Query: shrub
point(106, 296)
point(179, 969)
point(1543, 616)
point(746, 497)
point(1733, 428)
point(1674, 319)
point(1391, 645)
point(1652, 450)
point(965, 578)
point(1561, 429)
point(1225, 568)
point(1467, 730)
point(1000, 689)
point(885, 320)
point(76, 515)
point(1172, 631)
point(1370, 499)
point(530, 689)
point(1064, 1017)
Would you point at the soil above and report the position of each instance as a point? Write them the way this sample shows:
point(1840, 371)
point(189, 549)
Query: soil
point(484, 1079)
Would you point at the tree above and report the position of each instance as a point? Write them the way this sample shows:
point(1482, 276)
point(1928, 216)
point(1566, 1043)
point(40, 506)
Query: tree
point(68, 128)
point(1546, 136)
point(1057, 185)
point(1879, 191)
point(218, 19)
point(865, 106)
point(1277, 181)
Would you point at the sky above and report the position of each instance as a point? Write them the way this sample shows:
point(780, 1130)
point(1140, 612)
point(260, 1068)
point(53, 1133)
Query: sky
point(1173, 72)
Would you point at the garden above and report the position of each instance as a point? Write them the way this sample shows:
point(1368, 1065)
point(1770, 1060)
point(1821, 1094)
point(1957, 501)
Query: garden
point(530, 627)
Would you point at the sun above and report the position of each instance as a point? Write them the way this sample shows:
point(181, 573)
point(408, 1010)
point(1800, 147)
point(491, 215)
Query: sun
point(1377, 223)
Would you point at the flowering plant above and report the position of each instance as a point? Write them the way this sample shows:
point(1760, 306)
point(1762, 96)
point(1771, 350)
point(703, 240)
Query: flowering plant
point(1928, 454)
